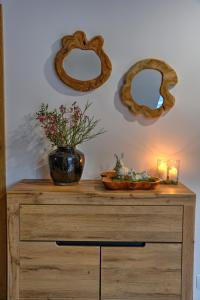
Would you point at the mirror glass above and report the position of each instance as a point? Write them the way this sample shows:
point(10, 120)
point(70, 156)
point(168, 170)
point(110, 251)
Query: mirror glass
point(82, 64)
point(145, 88)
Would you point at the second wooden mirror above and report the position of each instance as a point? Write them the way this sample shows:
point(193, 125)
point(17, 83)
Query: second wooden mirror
point(146, 88)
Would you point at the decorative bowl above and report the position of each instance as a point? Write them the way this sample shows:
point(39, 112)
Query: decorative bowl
point(109, 183)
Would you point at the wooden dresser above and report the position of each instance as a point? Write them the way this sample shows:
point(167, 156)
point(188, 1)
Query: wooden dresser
point(83, 242)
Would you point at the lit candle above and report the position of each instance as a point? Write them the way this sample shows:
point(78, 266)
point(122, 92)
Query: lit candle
point(162, 169)
point(168, 170)
point(173, 172)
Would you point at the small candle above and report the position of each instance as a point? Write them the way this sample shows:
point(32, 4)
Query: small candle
point(173, 172)
point(168, 170)
point(162, 169)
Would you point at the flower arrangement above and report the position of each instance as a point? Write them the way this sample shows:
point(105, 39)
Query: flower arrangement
point(67, 126)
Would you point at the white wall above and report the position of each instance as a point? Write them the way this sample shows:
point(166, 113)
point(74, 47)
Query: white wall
point(133, 30)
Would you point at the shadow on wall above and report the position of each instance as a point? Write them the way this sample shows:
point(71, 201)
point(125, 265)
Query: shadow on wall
point(52, 78)
point(59, 86)
point(27, 151)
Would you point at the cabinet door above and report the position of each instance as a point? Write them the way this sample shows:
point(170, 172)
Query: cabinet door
point(48, 271)
point(152, 272)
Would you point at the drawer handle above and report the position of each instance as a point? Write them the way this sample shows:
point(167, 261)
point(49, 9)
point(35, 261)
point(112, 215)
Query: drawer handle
point(101, 243)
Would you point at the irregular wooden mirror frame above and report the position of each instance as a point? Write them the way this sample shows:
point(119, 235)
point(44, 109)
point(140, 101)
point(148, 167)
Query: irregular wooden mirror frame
point(79, 40)
point(169, 79)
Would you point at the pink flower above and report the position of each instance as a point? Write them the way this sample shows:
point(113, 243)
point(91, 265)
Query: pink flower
point(62, 109)
point(66, 125)
point(41, 118)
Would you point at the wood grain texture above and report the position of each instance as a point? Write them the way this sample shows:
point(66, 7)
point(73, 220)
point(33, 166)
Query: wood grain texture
point(110, 184)
point(138, 273)
point(95, 188)
point(188, 252)
point(72, 211)
point(2, 172)
point(3, 254)
point(48, 271)
point(169, 79)
point(80, 223)
point(2, 125)
point(92, 192)
point(79, 40)
point(13, 250)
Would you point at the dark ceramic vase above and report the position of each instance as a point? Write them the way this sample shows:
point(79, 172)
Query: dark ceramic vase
point(66, 165)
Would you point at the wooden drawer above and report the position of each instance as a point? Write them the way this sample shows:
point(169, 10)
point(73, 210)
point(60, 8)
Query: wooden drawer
point(95, 222)
point(48, 271)
point(152, 272)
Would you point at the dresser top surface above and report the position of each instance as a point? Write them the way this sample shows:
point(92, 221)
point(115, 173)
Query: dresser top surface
point(96, 188)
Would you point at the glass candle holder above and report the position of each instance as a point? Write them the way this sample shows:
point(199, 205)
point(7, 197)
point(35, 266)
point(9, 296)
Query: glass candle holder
point(162, 169)
point(168, 170)
point(173, 171)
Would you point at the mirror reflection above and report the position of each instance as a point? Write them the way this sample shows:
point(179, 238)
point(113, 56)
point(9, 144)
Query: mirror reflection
point(145, 88)
point(82, 64)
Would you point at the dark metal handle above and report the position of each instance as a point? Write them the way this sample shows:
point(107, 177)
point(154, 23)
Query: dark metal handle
point(101, 243)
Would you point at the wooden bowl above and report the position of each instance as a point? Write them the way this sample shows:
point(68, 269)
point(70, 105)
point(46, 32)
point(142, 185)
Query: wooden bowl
point(106, 178)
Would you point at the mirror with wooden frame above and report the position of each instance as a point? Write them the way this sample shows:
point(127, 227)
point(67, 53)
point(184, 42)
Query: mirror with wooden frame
point(146, 88)
point(82, 64)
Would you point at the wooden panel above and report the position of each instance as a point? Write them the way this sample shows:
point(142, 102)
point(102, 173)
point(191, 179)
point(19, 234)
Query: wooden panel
point(3, 255)
point(48, 271)
point(13, 250)
point(152, 272)
point(188, 253)
point(94, 188)
point(116, 223)
point(109, 199)
point(88, 212)
point(2, 173)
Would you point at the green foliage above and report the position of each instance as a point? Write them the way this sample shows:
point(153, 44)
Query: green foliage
point(69, 126)
point(126, 178)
